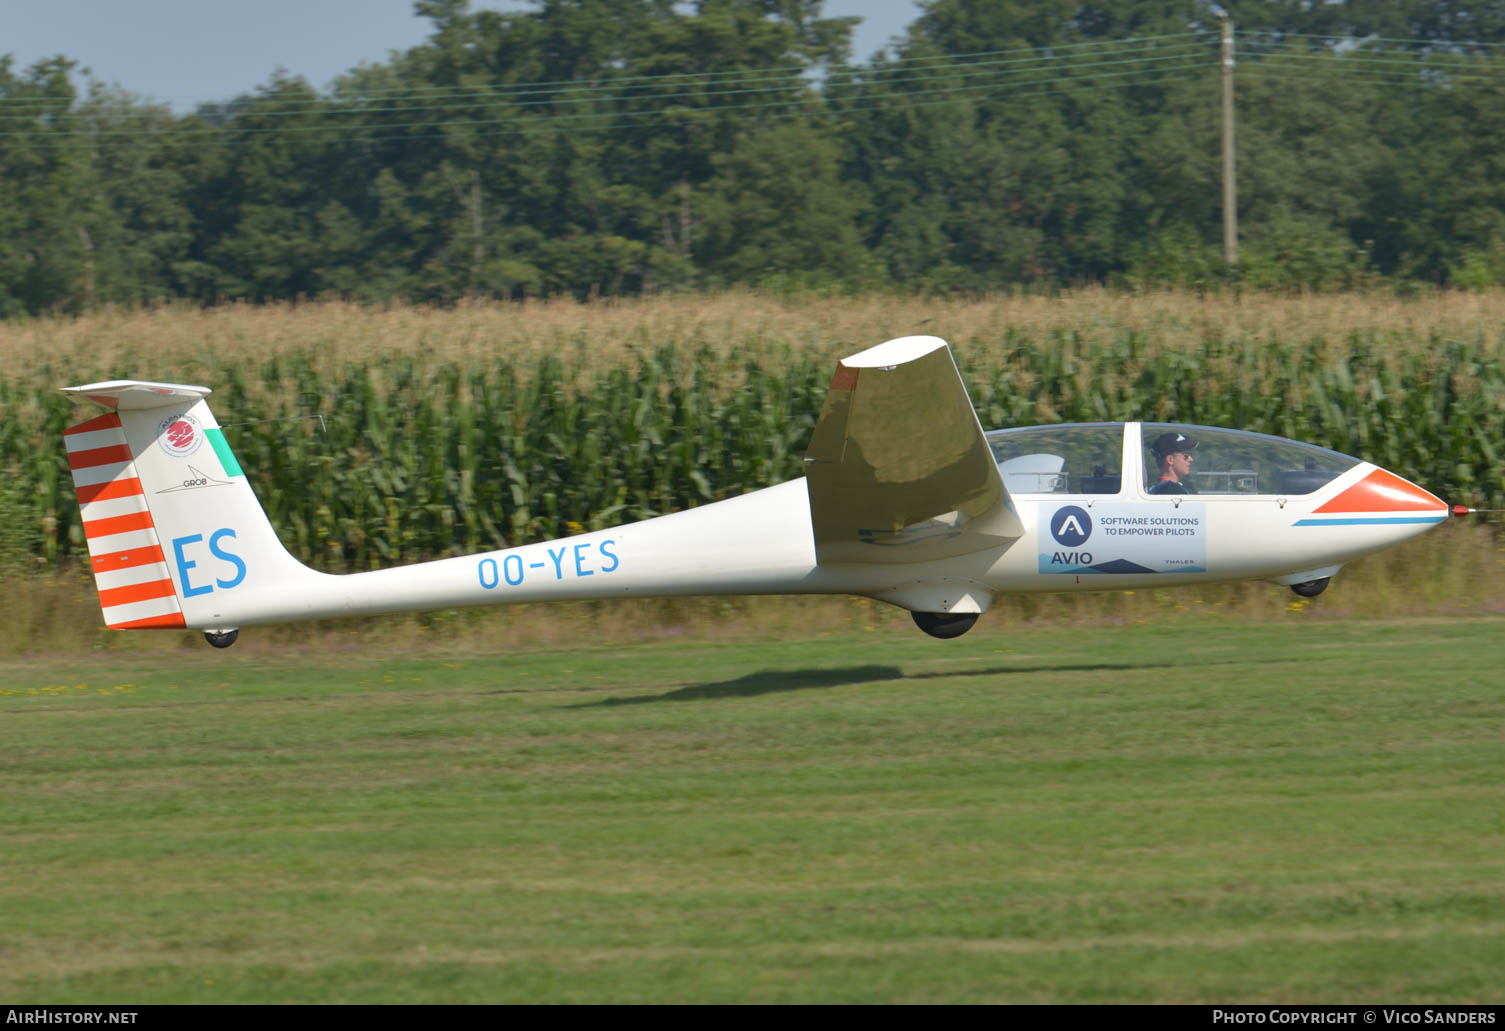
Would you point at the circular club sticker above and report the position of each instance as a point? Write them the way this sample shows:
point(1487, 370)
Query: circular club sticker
point(180, 435)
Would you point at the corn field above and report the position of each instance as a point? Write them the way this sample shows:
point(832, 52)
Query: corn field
point(423, 456)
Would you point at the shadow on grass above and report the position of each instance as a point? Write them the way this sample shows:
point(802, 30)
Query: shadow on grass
point(765, 682)
point(772, 681)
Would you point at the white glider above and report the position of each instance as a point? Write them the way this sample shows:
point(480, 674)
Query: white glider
point(904, 499)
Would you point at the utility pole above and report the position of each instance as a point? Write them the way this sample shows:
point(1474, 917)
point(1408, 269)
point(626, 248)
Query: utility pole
point(1230, 189)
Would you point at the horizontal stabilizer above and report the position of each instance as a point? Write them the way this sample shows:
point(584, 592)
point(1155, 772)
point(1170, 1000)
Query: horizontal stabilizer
point(898, 467)
point(130, 395)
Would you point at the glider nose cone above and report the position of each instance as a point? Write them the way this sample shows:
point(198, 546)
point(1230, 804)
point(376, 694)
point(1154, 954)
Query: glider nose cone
point(1383, 491)
point(1384, 499)
point(1429, 502)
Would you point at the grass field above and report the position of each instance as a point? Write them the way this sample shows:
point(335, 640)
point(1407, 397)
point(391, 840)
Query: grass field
point(1190, 811)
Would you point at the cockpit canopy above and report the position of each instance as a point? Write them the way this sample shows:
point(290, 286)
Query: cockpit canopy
point(1088, 458)
point(1074, 458)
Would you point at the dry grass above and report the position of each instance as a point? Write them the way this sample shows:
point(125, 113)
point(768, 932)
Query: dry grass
point(178, 342)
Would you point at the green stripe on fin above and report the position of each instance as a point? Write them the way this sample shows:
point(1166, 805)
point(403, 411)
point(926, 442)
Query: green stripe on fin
point(222, 448)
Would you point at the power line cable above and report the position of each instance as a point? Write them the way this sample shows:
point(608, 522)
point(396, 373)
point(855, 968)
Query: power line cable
point(1168, 59)
point(1159, 56)
point(605, 117)
point(746, 81)
point(683, 116)
point(1365, 40)
point(1026, 54)
point(1391, 72)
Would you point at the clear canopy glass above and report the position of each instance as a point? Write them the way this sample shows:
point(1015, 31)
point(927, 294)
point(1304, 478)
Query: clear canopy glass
point(1087, 458)
point(1074, 458)
point(1239, 462)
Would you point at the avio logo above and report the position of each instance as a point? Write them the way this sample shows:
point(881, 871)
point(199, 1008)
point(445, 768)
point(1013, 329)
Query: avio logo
point(1071, 526)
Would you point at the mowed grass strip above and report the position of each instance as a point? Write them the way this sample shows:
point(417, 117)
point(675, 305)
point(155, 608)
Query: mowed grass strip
point(1191, 812)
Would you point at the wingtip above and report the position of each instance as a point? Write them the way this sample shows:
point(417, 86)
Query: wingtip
point(894, 352)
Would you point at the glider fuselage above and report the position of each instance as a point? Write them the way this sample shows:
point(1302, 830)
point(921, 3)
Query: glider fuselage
point(761, 543)
point(905, 499)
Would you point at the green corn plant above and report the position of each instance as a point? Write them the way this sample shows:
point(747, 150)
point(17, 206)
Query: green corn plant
point(420, 458)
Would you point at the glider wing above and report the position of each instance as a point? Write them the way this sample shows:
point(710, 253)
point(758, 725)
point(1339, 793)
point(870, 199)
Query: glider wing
point(898, 467)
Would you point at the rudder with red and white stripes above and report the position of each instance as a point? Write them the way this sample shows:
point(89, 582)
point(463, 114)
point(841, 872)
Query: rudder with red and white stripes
point(136, 591)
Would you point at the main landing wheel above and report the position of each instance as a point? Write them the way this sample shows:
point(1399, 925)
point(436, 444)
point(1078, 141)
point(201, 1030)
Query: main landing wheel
point(223, 640)
point(944, 625)
point(1311, 588)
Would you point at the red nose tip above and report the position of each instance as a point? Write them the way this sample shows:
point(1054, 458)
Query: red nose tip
point(1461, 510)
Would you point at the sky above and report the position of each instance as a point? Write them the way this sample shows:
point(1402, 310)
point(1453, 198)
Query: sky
point(184, 52)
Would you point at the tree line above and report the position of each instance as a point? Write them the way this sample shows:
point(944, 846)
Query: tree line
point(603, 147)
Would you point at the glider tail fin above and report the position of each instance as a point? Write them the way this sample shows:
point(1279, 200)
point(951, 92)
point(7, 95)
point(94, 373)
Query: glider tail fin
point(173, 526)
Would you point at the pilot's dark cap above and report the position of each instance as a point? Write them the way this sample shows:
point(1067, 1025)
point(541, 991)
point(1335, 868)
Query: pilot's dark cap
point(1171, 443)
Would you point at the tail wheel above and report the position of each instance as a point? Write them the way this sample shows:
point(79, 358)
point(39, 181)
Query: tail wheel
point(944, 625)
point(223, 640)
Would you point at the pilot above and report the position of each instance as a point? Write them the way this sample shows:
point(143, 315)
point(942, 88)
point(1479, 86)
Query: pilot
point(1174, 453)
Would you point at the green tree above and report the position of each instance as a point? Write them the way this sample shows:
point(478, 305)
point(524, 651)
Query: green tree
point(1449, 190)
point(270, 207)
point(48, 210)
point(1004, 164)
point(777, 208)
point(143, 225)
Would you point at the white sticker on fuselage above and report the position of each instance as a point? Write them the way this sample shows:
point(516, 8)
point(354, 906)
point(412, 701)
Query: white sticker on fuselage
point(1138, 538)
